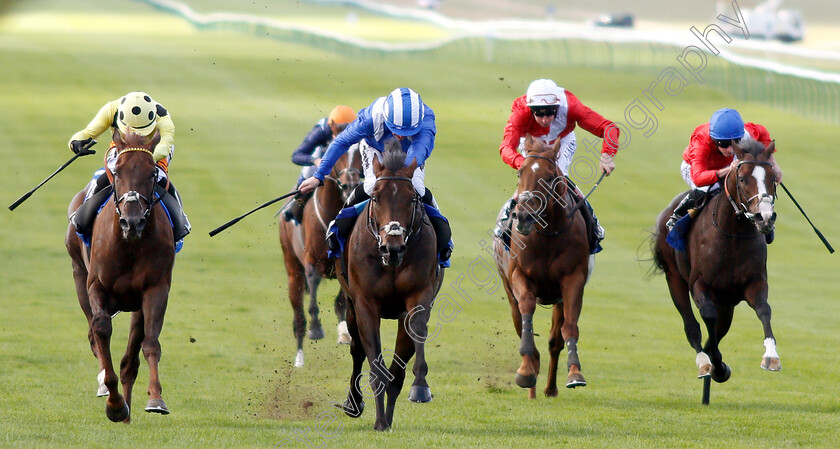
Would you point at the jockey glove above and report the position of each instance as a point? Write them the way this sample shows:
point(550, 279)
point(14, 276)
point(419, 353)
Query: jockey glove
point(80, 146)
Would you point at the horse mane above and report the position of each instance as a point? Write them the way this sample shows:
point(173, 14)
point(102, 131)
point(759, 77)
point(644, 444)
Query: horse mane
point(394, 156)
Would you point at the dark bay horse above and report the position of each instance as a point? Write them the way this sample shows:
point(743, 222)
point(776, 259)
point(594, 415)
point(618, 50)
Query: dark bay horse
point(390, 271)
point(548, 263)
point(725, 261)
point(305, 250)
point(128, 268)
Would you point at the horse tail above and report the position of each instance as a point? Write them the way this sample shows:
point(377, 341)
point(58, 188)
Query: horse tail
point(657, 260)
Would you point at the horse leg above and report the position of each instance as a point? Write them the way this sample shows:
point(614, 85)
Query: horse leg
point(555, 345)
point(756, 295)
point(368, 321)
point(154, 307)
point(417, 326)
point(517, 325)
point(116, 408)
point(682, 301)
point(354, 405)
point(80, 275)
point(340, 313)
point(296, 283)
point(403, 351)
point(313, 279)
point(572, 290)
point(709, 313)
point(526, 375)
point(130, 363)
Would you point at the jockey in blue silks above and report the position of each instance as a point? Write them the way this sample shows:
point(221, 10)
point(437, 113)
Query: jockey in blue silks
point(402, 115)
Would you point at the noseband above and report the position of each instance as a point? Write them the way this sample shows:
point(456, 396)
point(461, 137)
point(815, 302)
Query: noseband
point(393, 227)
point(744, 208)
point(551, 185)
point(133, 195)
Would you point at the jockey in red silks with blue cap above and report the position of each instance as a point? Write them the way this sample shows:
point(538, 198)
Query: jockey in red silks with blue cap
point(401, 115)
point(709, 157)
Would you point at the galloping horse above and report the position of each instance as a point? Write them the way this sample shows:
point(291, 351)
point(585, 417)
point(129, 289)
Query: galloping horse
point(127, 268)
point(305, 250)
point(390, 270)
point(725, 261)
point(547, 263)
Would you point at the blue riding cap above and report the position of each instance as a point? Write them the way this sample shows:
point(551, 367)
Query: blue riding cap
point(403, 112)
point(725, 124)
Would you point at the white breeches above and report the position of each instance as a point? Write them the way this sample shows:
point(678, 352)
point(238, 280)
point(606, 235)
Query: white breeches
point(568, 146)
point(368, 153)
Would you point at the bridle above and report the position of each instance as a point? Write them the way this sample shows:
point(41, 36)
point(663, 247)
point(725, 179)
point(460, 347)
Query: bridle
point(133, 195)
point(555, 175)
point(744, 209)
point(393, 227)
point(343, 188)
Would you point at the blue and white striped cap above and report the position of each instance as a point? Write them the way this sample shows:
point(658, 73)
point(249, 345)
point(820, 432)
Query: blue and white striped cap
point(404, 111)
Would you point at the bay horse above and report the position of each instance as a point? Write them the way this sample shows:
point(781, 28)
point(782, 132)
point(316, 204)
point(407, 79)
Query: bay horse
point(305, 250)
point(390, 270)
point(128, 268)
point(725, 261)
point(547, 263)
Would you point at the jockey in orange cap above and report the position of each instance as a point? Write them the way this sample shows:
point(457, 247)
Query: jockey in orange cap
point(309, 153)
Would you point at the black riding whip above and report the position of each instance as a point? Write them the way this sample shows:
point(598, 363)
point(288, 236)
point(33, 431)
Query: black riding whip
point(82, 152)
point(578, 205)
point(235, 220)
point(819, 234)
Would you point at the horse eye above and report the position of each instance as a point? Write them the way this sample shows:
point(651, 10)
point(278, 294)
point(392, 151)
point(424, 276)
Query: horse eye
point(742, 180)
point(374, 198)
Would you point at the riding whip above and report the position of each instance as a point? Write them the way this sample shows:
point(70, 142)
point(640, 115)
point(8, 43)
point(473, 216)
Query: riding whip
point(81, 153)
point(819, 234)
point(235, 220)
point(578, 205)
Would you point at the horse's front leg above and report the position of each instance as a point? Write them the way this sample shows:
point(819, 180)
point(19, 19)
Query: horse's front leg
point(403, 351)
point(130, 363)
point(756, 295)
point(354, 405)
point(368, 321)
point(526, 375)
point(705, 299)
point(417, 327)
point(555, 345)
point(572, 288)
point(116, 409)
point(313, 280)
point(154, 308)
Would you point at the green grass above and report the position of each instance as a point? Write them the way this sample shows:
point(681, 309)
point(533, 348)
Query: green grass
point(241, 105)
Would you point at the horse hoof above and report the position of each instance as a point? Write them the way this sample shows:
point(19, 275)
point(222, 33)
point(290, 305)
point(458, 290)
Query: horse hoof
point(156, 406)
point(353, 412)
point(117, 415)
point(771, 363)
point(722, 377)
point(526, 381)
point(575, 380)
point(550, 392)
point(315, 333)
point(420, 393)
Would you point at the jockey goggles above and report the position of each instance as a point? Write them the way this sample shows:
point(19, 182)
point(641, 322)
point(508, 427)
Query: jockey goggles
point(726, 143)
point(544, 111)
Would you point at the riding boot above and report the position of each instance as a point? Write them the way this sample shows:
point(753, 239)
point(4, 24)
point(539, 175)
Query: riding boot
point(172, 200)
point(345, 224)
point(294, 208)
point(687, 203)
point(82, 219)
point(504, 223)
point(442, 229)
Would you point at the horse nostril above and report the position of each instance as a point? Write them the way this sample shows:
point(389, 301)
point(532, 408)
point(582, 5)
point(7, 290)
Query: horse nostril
point(773, 217)
point(141, 224)
point(123, 223)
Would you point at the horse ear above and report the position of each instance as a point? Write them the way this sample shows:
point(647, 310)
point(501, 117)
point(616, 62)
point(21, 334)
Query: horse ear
point(770, 149)
point(377, 166)
point(556, 146)
point(117, 137)
point(155, 139)
point(412, 166)
point(739, 153)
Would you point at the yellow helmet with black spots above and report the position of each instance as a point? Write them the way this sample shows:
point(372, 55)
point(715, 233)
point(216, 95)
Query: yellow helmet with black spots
point(137, 112)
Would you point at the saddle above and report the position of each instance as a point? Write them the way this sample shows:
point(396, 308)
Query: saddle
point(678, 237)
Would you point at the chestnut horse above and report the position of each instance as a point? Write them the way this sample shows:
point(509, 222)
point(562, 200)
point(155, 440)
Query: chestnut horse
point(305, 250)
point(390, 270)
point(725, 261)
point(128, 268)
point(547, 263)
